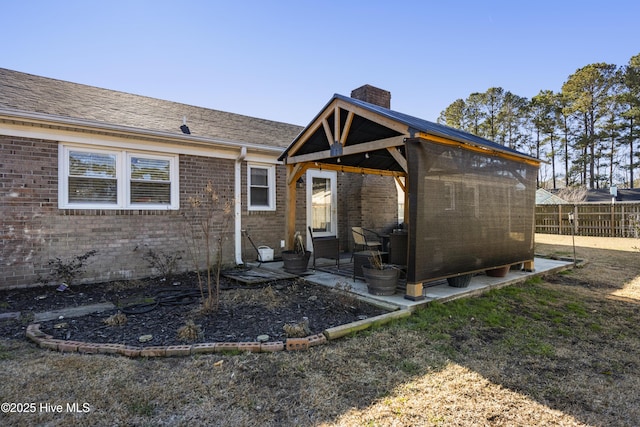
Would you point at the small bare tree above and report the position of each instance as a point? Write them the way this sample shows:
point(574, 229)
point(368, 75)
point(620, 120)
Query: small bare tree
point(207, 221)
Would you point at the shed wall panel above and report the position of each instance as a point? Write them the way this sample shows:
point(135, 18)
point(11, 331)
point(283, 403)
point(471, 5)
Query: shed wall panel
point(468, 211)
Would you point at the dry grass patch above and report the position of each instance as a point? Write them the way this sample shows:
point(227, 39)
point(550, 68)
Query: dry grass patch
point(265, 296)
point(553, 351)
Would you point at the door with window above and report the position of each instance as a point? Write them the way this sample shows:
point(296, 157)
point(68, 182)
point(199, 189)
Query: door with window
point(322, 203)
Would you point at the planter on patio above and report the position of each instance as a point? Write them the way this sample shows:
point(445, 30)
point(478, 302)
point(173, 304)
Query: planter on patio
point(381, 281)
point(497, 272)
point(295, 262)
point(461, 281)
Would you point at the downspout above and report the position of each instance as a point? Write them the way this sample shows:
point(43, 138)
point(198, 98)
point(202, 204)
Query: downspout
point(238, 205)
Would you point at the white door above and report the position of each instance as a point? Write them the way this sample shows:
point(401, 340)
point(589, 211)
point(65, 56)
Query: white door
point(322, 203)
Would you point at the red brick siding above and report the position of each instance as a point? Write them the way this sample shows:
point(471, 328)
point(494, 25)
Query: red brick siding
point(368, 201)
point(266, 228)
point(34, 230)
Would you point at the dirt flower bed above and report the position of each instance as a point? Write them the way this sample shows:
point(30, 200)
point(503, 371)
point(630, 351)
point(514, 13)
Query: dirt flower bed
point(164, 313)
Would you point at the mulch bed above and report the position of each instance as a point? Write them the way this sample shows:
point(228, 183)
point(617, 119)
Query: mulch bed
point(244, 311)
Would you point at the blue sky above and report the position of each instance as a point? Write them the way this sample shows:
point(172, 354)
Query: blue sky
point(283, 60)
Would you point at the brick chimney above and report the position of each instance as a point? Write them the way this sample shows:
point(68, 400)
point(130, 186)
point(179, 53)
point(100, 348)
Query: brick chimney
point(372, 95)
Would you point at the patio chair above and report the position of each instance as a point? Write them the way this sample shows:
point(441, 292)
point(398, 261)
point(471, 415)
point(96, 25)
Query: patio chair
point(363, 243)
point(325, 247)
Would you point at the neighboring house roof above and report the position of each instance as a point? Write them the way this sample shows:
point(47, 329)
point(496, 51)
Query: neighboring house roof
point(604, 195)
point(57, 99)
point(412, 125)
point(543, 197)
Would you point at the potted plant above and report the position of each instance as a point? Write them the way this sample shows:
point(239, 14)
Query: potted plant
point(381, 278)
point(295, 261)
point(460, 281)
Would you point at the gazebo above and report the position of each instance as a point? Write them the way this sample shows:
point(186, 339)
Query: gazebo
point(469, 202)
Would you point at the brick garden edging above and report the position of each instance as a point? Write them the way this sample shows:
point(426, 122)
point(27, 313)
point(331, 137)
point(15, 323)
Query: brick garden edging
point(48, 342)
point(291, 344)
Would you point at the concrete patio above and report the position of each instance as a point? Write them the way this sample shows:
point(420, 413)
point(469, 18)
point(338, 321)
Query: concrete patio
point(437, 290)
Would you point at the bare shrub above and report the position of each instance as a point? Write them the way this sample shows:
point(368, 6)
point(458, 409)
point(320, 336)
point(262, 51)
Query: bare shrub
point(65, 271)
point(297, 329)
point(206, 223)
point(164, 263)
point(345, 296)
point(189, 332)
point(118, 319)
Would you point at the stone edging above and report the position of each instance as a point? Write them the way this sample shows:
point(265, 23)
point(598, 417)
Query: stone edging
point(291, 344)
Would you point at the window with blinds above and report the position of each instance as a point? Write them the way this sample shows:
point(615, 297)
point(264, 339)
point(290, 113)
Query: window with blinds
point(109, 179)
point(150, 180)
point(92, 178)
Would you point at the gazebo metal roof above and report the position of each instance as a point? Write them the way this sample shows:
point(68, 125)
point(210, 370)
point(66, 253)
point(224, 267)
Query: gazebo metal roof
point(363, 128)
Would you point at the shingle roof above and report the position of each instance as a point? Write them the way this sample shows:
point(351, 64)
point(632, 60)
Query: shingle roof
point(30, 93)
point(604, 195)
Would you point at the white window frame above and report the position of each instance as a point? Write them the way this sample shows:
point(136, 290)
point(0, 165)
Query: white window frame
point(450, 190)
point(271, 185)
point(123, 177)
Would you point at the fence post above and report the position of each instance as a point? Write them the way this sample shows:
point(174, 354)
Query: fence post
point(612, 227)
point(560, 220)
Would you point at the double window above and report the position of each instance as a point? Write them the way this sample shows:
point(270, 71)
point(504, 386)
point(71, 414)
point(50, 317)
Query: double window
point(261, 192)
point(92, 178)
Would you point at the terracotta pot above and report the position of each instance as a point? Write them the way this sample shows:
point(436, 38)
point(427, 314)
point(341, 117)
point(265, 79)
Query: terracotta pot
point(381, 282)
point(498, 272)
point(295, 262)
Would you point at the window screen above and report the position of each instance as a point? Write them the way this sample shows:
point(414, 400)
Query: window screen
point(150, 180)
point(92, 177)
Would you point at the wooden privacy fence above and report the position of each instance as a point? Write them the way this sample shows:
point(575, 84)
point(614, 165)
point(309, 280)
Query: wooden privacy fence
point(590, 219)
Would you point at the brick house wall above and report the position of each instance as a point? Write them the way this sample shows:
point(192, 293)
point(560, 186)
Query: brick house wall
point(34, 230)
point(368, 201)
point(266, 228)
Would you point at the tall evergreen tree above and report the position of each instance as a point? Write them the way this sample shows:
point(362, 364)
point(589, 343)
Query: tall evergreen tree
point(513, 112)
point(454, 114)
point(565, 125)
point(544, 116)
point(474, 113)
point(588, 90)
point(630, 102)
point(493, 100)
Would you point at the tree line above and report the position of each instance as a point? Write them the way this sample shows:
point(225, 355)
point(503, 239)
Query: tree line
point(585, 133)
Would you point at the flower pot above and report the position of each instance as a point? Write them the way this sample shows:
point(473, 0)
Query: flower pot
point(497, 272)
point(381, 282)
point(295, 262)
point(461, 281)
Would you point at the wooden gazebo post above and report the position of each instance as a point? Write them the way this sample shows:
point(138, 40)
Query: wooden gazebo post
point(294, 172)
